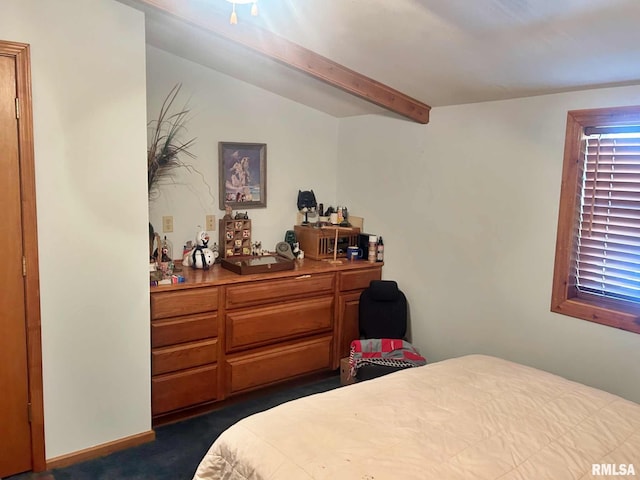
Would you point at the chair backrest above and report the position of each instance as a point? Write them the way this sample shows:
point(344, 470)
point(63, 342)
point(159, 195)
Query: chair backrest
point(382, 311)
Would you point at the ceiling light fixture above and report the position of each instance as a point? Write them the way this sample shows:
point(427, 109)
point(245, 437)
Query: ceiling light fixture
point(254, 9)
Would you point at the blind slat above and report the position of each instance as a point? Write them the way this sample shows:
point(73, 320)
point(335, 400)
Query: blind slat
point(601, 245)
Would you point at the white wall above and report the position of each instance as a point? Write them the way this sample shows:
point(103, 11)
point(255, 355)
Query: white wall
point(467, 206)
point(89, 106)
point(301, 148)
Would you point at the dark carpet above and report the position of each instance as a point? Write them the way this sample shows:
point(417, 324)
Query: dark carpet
point(179, 447)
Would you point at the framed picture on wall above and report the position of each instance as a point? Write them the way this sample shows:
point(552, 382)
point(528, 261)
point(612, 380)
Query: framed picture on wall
point(242, 173)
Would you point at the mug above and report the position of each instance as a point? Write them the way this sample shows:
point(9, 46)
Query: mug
point(354, 253)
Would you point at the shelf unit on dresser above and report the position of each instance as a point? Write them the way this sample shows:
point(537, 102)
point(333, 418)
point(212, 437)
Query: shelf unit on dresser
point(235, 237)
point(221, 335)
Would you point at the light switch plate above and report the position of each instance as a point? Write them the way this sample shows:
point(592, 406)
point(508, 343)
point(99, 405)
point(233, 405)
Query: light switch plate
point(210, 223)
point(167, 224)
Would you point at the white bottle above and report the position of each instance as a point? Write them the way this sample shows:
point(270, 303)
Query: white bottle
point(373, 240)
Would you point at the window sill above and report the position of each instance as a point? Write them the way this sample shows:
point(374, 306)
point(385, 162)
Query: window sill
point(605, 312)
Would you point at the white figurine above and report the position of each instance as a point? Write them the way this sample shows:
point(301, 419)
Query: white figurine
point(256, 249)
point(299, 254)
point(201, 256)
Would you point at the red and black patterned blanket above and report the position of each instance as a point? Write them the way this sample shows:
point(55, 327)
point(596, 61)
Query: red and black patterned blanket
point(383, 351)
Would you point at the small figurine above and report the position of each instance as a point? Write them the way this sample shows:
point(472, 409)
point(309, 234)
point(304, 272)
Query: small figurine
point(242, 216)
point(256, 249)
point(201, 256)
point(163, 251)
point(228, 212)
point(216, 252)
point(299, 254)
point(166, 253)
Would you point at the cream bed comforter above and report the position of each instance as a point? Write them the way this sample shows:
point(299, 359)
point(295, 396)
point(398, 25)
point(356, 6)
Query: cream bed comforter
point(473, 417)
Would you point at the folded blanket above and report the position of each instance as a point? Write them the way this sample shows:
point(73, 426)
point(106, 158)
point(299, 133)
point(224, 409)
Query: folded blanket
point(383, 351)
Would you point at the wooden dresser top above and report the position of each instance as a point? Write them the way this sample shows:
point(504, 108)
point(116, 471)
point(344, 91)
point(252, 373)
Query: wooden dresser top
point(216, 275)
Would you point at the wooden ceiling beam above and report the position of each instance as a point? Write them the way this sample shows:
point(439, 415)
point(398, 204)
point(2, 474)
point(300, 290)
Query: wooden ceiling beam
point(202, 15)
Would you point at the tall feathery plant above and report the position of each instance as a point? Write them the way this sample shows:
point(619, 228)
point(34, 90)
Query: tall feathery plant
point(165, 146)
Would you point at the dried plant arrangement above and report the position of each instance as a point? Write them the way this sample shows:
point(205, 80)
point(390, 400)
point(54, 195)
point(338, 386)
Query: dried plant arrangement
point(165, 144)
point(165, 152)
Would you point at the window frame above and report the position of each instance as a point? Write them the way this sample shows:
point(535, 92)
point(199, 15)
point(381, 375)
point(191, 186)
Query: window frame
point(565, 298)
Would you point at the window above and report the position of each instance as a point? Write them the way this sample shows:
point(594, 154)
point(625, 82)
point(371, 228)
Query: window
point(597, 264)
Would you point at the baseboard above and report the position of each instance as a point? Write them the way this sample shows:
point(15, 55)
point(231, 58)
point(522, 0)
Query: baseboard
point(100, 450)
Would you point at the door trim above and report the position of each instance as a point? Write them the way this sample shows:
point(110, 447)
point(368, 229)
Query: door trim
point(22, 55)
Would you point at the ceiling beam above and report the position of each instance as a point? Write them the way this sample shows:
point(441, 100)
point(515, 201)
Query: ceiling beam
point(198, 13)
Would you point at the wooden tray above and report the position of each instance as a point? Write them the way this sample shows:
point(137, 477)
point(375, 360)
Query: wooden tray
point(257, 264)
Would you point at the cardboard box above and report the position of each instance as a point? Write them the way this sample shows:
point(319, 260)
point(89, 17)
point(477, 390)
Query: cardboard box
point(345, 375)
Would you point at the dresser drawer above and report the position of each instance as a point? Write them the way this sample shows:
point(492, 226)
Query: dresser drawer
point(358, 279)
point(258, 326)
point(183, 329)
point(271, 291)
point(183, 302)
point(249, 371)
point(183, 389)
point(187, 355)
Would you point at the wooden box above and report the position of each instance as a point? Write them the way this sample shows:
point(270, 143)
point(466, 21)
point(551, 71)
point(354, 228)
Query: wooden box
point(345, 372)
point(318, 243)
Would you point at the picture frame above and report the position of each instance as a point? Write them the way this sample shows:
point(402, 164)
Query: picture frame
point(242, 174)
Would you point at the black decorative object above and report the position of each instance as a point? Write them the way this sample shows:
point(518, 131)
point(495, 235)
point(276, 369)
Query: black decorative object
point(306, 202)
point(290, 238)
point(306, 199)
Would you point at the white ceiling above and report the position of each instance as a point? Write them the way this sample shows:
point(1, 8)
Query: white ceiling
point(440, 52)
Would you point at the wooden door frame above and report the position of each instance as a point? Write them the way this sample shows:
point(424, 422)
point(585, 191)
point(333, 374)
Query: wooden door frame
point(22, 56)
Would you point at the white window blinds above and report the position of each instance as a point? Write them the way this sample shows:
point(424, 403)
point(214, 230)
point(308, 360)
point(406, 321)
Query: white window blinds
point(607, 249)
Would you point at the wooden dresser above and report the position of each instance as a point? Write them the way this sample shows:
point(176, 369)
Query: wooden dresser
point(221, 334)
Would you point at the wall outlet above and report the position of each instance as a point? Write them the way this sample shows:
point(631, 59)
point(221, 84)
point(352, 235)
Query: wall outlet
point(210, 223)
point(167, 224)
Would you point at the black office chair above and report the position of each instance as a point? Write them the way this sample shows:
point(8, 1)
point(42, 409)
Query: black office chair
point(382, 347)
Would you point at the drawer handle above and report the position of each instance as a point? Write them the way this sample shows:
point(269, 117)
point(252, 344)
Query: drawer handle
point(304, 276)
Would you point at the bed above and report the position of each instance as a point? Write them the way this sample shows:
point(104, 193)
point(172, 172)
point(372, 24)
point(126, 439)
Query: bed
point(472, 417)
